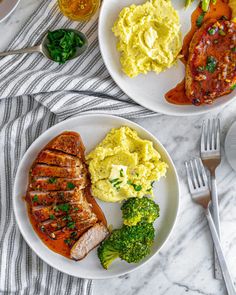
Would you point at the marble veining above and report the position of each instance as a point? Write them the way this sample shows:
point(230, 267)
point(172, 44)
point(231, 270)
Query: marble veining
point(185, 264)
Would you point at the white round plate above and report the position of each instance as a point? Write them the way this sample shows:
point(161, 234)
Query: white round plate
point(230, 146)
point(93, 129)
point(7, 7)
point(148, 90)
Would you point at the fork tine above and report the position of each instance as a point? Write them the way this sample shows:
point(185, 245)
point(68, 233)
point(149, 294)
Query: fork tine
point(213, 135)
point(218, 134)
point(203, 145)
point(194, 177)
point(189, 178)
point(208, 134)
point(199, 176)
point(203, 172)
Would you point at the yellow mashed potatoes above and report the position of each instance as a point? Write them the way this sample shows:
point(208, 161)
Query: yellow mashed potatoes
point(149, 37)
point(123, 165)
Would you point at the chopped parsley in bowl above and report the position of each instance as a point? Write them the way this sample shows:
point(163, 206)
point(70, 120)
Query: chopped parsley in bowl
point(65, 44)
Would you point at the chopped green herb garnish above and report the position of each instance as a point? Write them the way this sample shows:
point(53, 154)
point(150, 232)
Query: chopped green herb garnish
point(121, 172)
point(148, 190)
point(67, 241)
point(211, 64)
point(222, 33)
point(114, 180)
point(52, 216)
point(73, 234)
point(199, 20)
point(67, 217)
point(62, 44)
point(63, 207)
point(70, 185)
point(35, 198)
point(136, 187)
point(71, 224)
point(233, 87)
point(234, 49)
point(212, 31)
point(52, 180)
point(117, 183)
point(152, 183)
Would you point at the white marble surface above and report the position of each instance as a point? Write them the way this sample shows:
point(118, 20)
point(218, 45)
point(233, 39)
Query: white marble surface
point(185, 265)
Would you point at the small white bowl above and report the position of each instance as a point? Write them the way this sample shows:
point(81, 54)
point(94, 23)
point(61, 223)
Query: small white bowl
point(7, 7)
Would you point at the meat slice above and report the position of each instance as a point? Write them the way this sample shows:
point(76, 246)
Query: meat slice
point(68, 142)
point(211, 66)
point(53, 157)
point(57, 184)
point(89, 240)
point(37, 198)
point(55, 171)
point(62, 231)
point(77, 204)
point(43, 213)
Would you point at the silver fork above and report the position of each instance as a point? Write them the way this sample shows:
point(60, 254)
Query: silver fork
point(200, 193)
point(211, 157)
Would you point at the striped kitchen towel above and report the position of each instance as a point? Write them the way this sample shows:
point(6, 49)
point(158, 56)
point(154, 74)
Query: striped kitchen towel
point(35, 94)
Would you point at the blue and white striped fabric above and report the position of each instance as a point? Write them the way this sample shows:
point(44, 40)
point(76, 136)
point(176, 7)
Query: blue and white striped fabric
point(35, 94)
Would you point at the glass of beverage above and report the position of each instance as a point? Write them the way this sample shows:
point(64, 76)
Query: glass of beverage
point(79, 10)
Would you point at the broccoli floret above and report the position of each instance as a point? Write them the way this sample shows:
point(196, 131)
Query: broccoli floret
point(136, 210)
point(130, 243)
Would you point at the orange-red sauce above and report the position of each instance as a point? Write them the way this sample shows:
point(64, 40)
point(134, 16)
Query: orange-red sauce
point(59, 246)
point(221, 8)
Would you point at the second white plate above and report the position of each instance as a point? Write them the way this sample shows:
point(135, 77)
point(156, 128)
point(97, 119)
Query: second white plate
point(7, 7)
point(148, 90)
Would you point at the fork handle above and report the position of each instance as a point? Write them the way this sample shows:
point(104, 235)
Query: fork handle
point(224, 268)
point(216, 218)
point(215, 204)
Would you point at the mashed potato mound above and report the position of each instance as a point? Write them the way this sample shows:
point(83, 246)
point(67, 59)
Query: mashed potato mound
point(149, 37)
point(123, 165)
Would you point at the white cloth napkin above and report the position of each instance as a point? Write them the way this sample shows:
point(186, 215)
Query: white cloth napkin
point(35, 94)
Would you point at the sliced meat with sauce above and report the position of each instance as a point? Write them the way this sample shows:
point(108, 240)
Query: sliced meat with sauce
point(89, 240)
point(59, 194)
point(211, 66)
point(62, 227)
point(68, 142)
point(43, 213)
point(53, 157)
point(56, 171)
point(58, 184)
point(37, 198)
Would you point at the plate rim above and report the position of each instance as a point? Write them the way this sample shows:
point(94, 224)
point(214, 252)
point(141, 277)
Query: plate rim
point(10, 12)
point(35, 142)
point(226, 147)
point(170, 113)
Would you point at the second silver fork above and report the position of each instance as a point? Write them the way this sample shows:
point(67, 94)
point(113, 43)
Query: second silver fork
point(211, 158)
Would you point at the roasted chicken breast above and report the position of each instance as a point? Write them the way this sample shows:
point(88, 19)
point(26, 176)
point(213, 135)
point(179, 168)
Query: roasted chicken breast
point(211, 66)
point(59, 193)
